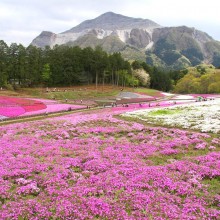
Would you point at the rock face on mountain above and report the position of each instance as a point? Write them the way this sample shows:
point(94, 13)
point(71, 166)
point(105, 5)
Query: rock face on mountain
point(46, 38)
point(111, 21)
point(143, 39)
point(127, 29)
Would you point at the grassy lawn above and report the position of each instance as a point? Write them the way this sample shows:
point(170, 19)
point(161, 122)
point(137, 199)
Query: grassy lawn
point(150, 92)
point(9, 93)
point(161, 112)
point(74, 92)
point(77, 92)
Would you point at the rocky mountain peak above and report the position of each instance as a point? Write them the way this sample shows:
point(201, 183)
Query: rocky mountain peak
point(140, 39)
point(44, 39)
point(113, 21)
point(111, 16)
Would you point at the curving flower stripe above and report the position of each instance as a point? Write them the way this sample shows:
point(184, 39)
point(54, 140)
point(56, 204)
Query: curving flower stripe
point(13, 107)
point(11, 111)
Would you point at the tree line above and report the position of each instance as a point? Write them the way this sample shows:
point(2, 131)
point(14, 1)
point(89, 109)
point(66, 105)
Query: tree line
point(65, 66)
point(202, 83)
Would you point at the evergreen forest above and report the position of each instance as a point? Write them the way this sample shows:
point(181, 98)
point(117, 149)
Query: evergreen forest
point(67, 66)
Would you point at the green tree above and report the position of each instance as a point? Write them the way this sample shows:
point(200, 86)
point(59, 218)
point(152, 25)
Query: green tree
point(13, 67)
point(116, 63)
point(34, 68)
point(136, 65)
point(100, 63)
point(22, 65)
point(3, 63)
point(142, 76)
point(160, 80)
point(206, 80)
point(46, 74)
point(87, 62)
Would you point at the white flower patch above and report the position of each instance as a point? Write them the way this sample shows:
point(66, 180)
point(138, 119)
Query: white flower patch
point(183, 97)
point(167, 94)
point(203, 116)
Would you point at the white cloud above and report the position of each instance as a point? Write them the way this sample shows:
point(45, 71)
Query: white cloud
point(30, 17)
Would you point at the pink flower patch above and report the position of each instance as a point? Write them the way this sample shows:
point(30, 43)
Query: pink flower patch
point(169, 152)
point(13, 106)
point(200, 146)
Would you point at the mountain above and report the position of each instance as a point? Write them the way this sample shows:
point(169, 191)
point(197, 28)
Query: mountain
point(179, 47)
point(142, 39)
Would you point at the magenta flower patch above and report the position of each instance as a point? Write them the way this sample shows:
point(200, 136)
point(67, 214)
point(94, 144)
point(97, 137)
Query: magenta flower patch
point(94, 166)
point(13, 106)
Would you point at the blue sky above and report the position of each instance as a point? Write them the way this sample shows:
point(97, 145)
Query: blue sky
point(22, 20)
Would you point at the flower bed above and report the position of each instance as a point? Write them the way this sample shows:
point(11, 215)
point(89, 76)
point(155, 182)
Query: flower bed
point(11, 111)
point(55, 108)
point(13, 107)
point(27, 104)
point(203, 116)
point(93, 166)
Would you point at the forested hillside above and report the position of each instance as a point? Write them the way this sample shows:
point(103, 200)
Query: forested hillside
point(199, 79)
point(61, 65)
point(65, 66)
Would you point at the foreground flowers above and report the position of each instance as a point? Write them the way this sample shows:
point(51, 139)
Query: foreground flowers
point(93, 166)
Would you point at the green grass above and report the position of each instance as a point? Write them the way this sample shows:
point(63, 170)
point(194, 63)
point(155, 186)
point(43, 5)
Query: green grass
point(82, 94)
point(161, 159)
point(213, 185)
point(73, 92)
point(86, 92)
point(9, 93)
point(164, 112)
point(150, 92)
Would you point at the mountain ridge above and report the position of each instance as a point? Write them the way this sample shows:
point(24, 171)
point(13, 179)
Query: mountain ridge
point(113, 21)
point(166, 47)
